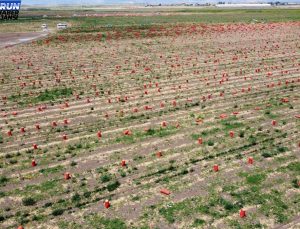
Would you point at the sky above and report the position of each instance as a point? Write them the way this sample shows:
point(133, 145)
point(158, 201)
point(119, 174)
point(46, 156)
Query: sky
point(108, 2)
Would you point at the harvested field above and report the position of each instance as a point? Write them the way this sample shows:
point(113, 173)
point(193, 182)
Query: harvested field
point(177, 125)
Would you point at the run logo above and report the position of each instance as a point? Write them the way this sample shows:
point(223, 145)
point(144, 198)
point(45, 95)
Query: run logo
point(9, 9)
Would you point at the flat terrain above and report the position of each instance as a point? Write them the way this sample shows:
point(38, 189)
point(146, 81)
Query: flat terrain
point(173, 100)
point(98, 18)
point(9, 39)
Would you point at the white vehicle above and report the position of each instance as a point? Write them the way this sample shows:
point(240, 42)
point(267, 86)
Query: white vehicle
point(44, 27)
point(62, 26)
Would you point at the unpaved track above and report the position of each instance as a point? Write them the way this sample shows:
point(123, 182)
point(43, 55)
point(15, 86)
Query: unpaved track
point(11, 39)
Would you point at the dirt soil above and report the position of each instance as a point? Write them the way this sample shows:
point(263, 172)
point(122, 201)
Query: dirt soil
point(10, 39)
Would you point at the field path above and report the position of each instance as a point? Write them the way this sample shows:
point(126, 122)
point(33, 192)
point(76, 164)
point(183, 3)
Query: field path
point(11, 39)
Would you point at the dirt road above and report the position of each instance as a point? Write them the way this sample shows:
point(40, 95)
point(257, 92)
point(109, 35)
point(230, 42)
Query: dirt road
point(10, 39)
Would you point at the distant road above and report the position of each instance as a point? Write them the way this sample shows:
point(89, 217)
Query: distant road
point(11, 39)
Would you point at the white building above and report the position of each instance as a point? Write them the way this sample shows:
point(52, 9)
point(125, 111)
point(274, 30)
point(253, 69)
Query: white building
point(244, 5)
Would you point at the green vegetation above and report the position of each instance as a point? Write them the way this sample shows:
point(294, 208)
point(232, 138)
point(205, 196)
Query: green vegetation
point(270, 115)
point(73, 163)
point(3, 180)
point(231, 123)
point(295, 183)
point(271, 203)
point(192, 15)
point(51, 170)
point(96, 221)
point(255, 179)
point(198, 222)
point(46, 96)
point(28, 201)
point(242, 134)
point(76, 197)
point(176, 211)
point(294, 167)
point(245, 225)
point(210, 143)
point(105, 177)
point(273, 151)
point(140, 135)
point(50, 187)
point(252, 140)
point(113, 186)
point(57, 212)
point(51, 95)
point(205, 133)
point(171, 212)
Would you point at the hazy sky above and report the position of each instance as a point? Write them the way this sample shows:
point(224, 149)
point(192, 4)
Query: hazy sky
point(86, 2)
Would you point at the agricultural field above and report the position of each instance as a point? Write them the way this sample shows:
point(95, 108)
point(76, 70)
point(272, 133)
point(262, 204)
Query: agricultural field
point(152, 123)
